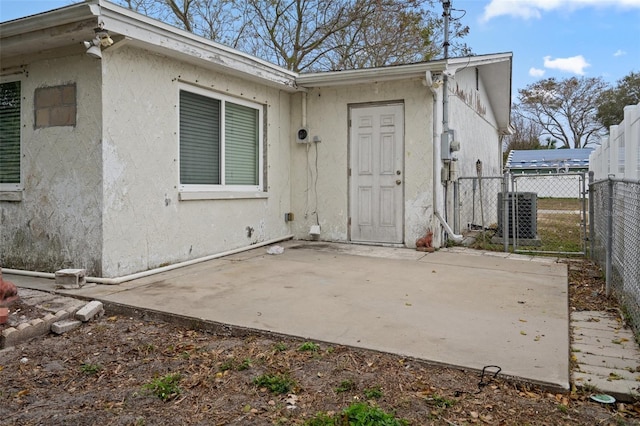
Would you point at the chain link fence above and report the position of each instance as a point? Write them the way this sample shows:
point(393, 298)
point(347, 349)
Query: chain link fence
point(614, 206)
point(544, 214)
point(477, 202)
point(553, 209)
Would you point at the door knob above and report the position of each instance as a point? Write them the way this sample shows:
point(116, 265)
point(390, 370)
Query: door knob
point(398, 182)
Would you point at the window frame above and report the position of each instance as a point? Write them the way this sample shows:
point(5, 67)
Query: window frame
point(17, 187)
point(217, 189)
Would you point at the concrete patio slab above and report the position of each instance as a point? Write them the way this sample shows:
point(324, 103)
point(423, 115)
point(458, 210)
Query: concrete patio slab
point(448, 308)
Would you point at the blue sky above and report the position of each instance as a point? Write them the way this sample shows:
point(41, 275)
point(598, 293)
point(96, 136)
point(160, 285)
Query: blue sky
point(548, 38)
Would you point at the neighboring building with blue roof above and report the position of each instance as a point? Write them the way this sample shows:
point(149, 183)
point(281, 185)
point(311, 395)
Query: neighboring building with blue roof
point(545, 161)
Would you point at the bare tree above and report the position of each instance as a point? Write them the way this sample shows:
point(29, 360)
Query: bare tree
point(526, 134)
point(293, 33)
point(314, 35)
point(565, 109)
point(389, 33)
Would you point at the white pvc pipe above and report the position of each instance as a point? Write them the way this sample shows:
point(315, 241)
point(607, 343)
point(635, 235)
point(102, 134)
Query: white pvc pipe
point(304, 109)
point(143, 274)
point(455, 237)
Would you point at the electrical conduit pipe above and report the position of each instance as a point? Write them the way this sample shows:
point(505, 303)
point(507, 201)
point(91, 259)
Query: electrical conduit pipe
point(457, 238)
point(143, 274)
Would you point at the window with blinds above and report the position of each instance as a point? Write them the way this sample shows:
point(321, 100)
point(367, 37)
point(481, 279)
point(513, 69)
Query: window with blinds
point(10, 176)
point(219, 143)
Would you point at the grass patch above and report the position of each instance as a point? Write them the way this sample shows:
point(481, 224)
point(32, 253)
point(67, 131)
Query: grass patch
point(559, 204)
point(276, 383)
point(560, 232)
point(165, 387)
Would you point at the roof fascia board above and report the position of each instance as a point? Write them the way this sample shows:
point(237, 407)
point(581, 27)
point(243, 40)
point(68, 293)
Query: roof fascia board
point(399, 72)
point(368, 75)
point(174, 42)
point(477, 61)
point(54, 18)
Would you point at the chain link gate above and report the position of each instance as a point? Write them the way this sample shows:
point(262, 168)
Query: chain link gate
point(545, 214)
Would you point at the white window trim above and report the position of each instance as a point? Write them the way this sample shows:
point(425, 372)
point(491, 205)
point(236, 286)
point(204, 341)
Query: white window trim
point(207, 191)
point(8, 190)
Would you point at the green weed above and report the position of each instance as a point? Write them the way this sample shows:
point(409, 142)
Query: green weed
point(244, 365)
point(89, 368)
point(346, 386)
point(321, 419)
point(165, 387)
point(276, 383)
point(373, 393)
point(441, 402)
point(309, 347)
point(357, 414)
point(232, 364)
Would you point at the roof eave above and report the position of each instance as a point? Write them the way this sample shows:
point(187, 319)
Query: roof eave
point(174, 42)
point(140, 31)
point(369, 75)
point(52, 18)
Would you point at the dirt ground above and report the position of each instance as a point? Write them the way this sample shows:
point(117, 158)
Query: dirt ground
point(120, 370)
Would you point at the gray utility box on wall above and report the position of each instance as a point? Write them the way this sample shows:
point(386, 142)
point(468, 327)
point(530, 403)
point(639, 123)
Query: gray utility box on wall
point(523, 207)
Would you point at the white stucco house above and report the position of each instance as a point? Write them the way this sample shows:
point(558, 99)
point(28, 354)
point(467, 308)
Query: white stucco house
point(169, 147)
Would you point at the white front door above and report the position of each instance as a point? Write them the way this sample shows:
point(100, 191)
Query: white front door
point(376, 173)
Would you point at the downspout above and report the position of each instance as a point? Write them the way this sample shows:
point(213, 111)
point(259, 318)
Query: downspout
point(143, 274)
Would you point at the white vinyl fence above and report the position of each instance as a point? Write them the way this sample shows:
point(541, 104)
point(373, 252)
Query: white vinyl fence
point(618, 155)
point(614, 211)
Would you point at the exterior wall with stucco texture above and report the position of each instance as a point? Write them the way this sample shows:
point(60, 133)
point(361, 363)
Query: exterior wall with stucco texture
point(472, 118)
point(321, 193)
point(57, 224)
point(146, 224)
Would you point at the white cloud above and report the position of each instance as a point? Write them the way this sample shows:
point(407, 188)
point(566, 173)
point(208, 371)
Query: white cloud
point(536, 72)
point(619, 53)
point(574, 64)
point(532, 9)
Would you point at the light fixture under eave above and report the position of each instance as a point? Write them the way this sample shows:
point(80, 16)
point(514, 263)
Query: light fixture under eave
point(102, 39)
point(93, 50)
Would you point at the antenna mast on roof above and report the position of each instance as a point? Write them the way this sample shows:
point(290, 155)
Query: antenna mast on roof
point(446, 5)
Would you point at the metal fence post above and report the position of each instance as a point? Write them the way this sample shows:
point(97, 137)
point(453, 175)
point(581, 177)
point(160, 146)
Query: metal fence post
point(592, 234)
point(456, 206)
point(513, 198)
point(609, 236)
point(505, 212)
point(583, 194)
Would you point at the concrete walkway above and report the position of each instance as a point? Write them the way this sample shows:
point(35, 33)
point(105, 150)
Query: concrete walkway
point(466, 309)
point(606, 355)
